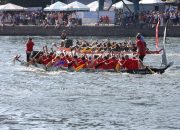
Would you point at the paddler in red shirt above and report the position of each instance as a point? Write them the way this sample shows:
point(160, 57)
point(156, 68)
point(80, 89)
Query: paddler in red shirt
point(29, 48)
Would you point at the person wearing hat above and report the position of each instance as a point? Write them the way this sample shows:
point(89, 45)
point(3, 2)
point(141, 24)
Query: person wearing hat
point(141, 47)
point(29, 48)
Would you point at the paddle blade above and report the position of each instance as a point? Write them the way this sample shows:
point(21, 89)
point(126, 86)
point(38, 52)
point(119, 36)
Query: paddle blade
point(118, 67)
point(79, 67)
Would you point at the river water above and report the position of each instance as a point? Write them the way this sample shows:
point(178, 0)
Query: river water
point(31, 99)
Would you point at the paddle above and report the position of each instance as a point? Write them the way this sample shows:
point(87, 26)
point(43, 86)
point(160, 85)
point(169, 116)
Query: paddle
point(118, 67)
point(98, 65)
point(80, 67)
point(36, 55)
point(22, 62)
point(16, 58)
point(152, 72)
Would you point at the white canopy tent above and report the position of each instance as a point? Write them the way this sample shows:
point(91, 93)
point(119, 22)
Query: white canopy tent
point(146, 5)
point(120, 4)
point(95, 5)
point(151, 2)
point(58, 6)
point(12, 7)
point(76, 6)
point(1, 6)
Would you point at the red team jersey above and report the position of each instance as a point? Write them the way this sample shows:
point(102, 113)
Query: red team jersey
point(141, 47)
point(29, 46)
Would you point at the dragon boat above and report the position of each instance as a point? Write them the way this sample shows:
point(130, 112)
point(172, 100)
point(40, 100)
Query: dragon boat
point(132, 66)
point(115, 65)
point(145, 70)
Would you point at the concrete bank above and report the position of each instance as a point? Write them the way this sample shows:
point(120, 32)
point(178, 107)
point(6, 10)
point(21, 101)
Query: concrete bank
point(172, 31)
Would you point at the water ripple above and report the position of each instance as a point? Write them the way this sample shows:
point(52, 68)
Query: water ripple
point(32, 99)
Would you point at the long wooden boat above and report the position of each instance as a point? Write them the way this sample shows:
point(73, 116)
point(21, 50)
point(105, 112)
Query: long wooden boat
point(145, 70)
point(142, 70)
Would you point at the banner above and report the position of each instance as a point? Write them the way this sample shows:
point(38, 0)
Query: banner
point(157, 33)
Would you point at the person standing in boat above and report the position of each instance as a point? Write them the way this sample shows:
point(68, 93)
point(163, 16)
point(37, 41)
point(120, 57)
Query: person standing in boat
point(63, 35)
point(141, 47)
point(63, 38)
point(142, 38)
point(29, 48)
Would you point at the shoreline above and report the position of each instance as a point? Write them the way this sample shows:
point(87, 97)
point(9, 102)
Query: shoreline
point(130, 31)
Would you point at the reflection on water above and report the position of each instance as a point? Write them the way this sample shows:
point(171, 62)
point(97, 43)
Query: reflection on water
point(33, 99)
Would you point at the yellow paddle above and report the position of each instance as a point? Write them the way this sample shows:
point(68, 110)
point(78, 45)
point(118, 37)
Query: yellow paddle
point(152, 72)
point(118, 67)
point(79, 67)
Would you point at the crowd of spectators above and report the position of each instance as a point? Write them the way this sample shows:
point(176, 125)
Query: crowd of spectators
point(104, 20)
point(149, 18)
point(39, 18)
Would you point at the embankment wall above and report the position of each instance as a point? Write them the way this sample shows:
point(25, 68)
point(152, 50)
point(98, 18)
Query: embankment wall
point(172, 31)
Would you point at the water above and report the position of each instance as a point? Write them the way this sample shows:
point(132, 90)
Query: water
point(31, 99)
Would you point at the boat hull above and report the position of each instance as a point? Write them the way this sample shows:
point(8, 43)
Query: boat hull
point(147, 70)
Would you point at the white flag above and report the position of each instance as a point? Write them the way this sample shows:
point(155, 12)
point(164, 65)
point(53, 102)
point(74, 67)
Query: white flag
point(164, 58)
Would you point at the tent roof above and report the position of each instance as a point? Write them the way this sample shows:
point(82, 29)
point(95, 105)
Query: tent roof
point(58, 6)
point(81, 1)
point(94, 5)
point(151, 2)
point(12, 7)
point(120, 4)
point(1, 6)
point(76, 6)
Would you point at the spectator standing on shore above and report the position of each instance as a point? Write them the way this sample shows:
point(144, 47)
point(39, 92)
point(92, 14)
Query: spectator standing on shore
point(29, 48)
